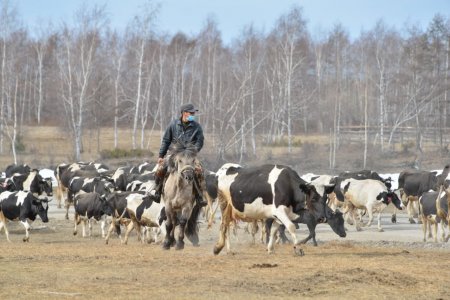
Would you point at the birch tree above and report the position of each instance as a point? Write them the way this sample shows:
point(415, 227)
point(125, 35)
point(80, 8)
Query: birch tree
point(76, 62)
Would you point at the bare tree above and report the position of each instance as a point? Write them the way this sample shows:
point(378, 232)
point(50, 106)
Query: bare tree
point(76, 65)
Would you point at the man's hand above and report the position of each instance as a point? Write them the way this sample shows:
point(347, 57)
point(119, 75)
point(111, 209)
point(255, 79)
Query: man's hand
point(160, 161)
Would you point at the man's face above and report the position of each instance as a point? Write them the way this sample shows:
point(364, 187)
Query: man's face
point(186, 114)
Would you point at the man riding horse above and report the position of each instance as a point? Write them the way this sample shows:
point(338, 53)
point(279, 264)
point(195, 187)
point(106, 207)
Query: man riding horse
point(184, 130)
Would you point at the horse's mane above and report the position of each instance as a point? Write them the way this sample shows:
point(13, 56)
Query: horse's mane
point(176, 149)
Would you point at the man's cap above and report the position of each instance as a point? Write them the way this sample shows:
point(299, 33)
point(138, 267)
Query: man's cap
point(189, 107)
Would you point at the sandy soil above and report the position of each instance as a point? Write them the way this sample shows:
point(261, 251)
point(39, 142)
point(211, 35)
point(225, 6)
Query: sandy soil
point(394, 264)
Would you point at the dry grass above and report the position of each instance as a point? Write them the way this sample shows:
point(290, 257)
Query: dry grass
point(47, 146)
point(55, 264)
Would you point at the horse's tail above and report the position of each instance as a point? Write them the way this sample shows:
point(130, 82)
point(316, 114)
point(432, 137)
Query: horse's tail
point(191, 226)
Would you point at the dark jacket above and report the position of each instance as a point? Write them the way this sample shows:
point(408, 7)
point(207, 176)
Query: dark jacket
point(192, 133)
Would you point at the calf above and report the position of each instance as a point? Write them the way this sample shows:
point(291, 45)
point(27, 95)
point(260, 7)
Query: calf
point(21, 206)
point(370, 195)
point(90, 206)
point(336, 223)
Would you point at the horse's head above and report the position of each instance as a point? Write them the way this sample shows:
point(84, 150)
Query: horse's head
point(183, 161)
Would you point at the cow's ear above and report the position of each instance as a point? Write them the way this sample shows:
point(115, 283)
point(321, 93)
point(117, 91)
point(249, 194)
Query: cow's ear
point(329, 188)
point(305, 188)
point(381, 195)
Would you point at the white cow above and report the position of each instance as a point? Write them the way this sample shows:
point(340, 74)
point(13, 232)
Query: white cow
point(370, 195)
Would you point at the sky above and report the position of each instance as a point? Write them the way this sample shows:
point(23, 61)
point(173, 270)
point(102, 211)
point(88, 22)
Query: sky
point(231, 16)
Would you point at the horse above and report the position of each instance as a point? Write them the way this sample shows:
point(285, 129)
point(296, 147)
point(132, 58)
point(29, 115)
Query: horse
point(178, 196)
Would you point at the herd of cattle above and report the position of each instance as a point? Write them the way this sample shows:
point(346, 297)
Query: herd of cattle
point(272, 195)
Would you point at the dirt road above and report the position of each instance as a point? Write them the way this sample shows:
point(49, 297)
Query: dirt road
point(393, 264)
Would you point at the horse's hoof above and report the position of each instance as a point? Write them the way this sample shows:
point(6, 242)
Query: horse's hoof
point(381, 230)
point(411, 221)
point(179, 246)
point(166, 246)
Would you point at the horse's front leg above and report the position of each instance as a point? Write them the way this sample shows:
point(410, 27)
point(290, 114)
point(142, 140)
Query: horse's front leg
point(184, 217)
point(170, 229)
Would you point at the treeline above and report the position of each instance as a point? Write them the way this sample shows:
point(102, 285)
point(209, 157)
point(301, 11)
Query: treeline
point(272, 85)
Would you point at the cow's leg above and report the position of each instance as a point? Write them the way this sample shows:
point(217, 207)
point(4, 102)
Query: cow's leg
point(110, 229)
point(435, 231)
point(130, 227)
point(84, 227)
point(254, 230)
point(356, 220)
point(102, 226)
point(27, 230)
point(415, 205)
point(410, 210)
point(89, 221)
point(424, 227)
point(224, 228)
point(441, 223)
point(76, 221)
point(394, 216)
point(430, 235)
point(379, 222)
point(370, 211)
point(3, 225)
point(273, 231)
point(311, 223)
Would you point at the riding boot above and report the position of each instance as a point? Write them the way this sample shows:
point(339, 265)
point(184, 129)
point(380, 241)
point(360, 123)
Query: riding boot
point(158, 190)
point(159, 182)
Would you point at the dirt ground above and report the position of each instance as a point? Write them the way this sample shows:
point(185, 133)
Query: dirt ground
point(394, 264)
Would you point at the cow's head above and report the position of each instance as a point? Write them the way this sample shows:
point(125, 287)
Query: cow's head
point(316, 202)
point(390, 197)
point(7, 185)
point(46, 187)
point(40, 207)
point(105, 205)
point(336, 221)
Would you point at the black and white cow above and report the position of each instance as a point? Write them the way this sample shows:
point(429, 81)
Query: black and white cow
point(32, 182)
point(86, 185)
point(413, 183)
point(123, 176)
point(22, 206)
point(268, 191)
point(65, 172)
point(370, 195)
point(336, 223)
point(429, 203)
point(90, 206)
point(14, 169)
point(145, 211)
point(117, 201)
